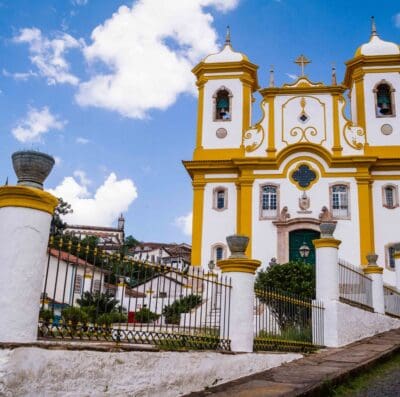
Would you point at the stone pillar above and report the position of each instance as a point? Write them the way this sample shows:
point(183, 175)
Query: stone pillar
point(241, 270)
point(375, 273)
point(397, 268)
point(327, 281)
point(25, 217)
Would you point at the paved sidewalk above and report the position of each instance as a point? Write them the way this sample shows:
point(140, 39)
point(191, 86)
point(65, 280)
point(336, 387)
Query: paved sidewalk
point(314, 374)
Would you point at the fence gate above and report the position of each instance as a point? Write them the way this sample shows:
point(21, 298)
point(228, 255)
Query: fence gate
point(287, 322)
point(91, 295)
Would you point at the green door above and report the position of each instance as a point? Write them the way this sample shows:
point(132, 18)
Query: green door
point(301, 238)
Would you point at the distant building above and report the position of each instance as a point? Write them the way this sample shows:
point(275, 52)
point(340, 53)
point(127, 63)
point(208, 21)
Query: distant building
point(112, 238)
point(162, 253)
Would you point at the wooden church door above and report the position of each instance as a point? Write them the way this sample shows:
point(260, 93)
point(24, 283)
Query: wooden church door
point(300, 240)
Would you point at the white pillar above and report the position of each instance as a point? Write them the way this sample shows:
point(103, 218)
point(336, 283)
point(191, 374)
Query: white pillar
point(327, 269)
point(327, 286)
point(397, 269)
point(87, 282)
point(241, 316)
point(375, 273)
point(25, 216)
point(120, 291)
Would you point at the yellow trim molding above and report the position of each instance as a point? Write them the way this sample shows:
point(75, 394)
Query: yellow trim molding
point(396, 255)
point(197, 224)
point(89, 276)
point(373, 270)
point(239, 265)
point(326, 243)
point(27, 197)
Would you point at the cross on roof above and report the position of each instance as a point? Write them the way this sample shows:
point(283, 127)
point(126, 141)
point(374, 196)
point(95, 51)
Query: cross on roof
point(302, 61)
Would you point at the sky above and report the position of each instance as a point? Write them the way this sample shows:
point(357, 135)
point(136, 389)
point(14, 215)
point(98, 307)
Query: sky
point(105, 87)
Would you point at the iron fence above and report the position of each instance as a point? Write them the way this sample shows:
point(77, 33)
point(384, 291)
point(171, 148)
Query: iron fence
point(355, 288)
point(392, 301)
point(91, 294)
point(287, 322)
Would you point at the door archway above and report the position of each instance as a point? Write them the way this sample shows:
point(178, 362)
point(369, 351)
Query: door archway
point(302, 238)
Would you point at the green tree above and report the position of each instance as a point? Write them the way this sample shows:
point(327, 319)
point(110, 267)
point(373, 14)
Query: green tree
point(295, 278)
point(57, 224)
point(96, 304)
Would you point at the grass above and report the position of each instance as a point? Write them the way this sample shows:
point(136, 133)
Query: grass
point(362, 382)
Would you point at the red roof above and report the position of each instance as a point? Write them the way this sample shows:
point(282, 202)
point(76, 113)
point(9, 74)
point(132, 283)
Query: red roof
point(66, 257)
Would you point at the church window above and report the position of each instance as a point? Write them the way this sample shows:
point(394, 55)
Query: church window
point(220, 198)
point(390, 251)
point(218, 252)
point(384, 101)
point(222, 104)
point(340, 201)
point(390, 196)
point(269, 201)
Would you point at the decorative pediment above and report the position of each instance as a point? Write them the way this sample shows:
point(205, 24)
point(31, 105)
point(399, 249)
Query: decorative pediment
point(303, 82)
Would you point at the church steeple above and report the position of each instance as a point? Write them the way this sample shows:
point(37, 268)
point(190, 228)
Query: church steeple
point(373, 27)
point(228, 36)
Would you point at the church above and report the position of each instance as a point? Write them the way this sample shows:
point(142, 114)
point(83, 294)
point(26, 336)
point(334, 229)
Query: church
point(304, 161)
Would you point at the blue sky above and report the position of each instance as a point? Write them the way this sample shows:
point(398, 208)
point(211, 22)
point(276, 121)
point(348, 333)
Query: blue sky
point(108, 90)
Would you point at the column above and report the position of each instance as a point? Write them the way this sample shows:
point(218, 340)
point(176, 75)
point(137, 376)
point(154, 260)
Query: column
point(87, 282)
point(241, 271)
point(375, 273)
point(197, 228)
point(327, 281)
point(25, 217)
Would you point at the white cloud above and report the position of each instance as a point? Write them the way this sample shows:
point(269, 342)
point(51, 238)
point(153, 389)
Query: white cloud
point(292, 76)
point(83, 179)
point(81, 140)
point(149, 50)
point(49, 55)
point(23, 76)
point(57, 160)
point(101, 208)
point(185, 223)
point(397, 20)
point(35, 124)
point(79, 2)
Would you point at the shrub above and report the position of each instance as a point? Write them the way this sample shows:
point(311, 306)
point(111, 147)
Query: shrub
point(110, 318)
point(145, 315)
point(173, 311)
point(46, 315)
point(74, 315)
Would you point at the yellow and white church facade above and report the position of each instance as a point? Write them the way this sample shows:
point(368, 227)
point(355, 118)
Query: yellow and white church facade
point(304, 161)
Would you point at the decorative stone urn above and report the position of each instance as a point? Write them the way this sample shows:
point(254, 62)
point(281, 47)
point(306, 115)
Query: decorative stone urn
point(327, 229)
point(32, 167)
point(372, 259)
point(237, 245)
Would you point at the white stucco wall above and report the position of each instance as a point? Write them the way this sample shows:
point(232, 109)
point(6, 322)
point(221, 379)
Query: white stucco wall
point(373, 123)
point(38, 372)
point(233, 126)
point(346, 324)
point(24, 235)
point(386, 223)
point(217, 225)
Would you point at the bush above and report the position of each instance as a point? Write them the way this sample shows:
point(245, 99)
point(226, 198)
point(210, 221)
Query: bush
point(46, 315)
point(145, 315)
point(74, 315)
point(110, 318)
point(173, 311)
point(296, 278)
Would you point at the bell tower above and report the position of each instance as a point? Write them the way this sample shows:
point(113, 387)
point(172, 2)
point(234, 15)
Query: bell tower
point(226, 82)
point(374, 81)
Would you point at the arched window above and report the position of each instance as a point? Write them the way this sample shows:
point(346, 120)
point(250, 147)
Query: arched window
point(390, 196)
point(384, 99)
point(269, 201)
point(340, 201)
point(220, 198)
point(222, 103)
point(218, 252)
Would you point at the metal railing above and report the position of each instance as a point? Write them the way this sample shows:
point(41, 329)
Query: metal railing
point(392, 301)
point(355, 288)
point(89, 294)
point(287, 322)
